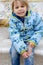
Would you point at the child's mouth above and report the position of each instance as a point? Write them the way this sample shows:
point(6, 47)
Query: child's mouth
point(20, 12)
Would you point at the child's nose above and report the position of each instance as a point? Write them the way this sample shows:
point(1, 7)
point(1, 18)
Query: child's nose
point(20, 8)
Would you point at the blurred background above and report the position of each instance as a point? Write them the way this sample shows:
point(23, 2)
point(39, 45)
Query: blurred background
point(5, 42)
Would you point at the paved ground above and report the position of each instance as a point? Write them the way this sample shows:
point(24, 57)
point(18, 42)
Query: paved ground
point(5, 59)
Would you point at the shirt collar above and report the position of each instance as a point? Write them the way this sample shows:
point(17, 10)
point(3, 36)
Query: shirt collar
point(21, 19)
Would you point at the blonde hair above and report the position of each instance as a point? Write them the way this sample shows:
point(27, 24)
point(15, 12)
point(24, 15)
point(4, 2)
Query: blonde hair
point(25, 2)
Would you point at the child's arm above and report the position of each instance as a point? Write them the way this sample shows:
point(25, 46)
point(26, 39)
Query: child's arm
point(30, 48)
point(38, 29)
point(18, 43)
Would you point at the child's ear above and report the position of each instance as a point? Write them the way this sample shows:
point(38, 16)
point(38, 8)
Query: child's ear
point(27, 8)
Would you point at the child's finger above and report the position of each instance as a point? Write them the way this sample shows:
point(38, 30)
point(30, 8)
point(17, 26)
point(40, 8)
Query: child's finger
point(26, 56)
point(29, 53)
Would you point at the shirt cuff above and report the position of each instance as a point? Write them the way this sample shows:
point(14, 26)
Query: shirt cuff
point(32, 43)
point(22, 51)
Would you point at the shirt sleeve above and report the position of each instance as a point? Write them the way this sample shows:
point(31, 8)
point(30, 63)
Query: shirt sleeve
point(18, 43)
point(38, 30)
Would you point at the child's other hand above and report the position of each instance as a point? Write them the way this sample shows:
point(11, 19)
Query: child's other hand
point(25, 55)
point(31, 45)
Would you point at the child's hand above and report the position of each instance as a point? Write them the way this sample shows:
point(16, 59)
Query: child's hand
point(31, 45)
point(30, 51)
point(25, 55)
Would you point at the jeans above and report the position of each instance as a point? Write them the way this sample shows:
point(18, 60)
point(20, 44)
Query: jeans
point(15, 57)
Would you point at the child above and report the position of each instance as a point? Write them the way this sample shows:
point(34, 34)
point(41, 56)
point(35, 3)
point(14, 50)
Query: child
point(26, 29)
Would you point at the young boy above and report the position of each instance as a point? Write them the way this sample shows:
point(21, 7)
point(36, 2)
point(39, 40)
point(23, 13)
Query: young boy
point(26, 29)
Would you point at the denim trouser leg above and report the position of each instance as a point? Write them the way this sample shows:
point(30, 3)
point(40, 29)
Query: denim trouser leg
point(15, 57)
point(30, 59)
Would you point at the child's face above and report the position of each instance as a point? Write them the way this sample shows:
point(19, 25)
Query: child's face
point(20, 9)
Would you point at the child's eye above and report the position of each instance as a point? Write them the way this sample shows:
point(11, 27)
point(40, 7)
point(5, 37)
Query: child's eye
point(16, 7)
point(22, 6)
